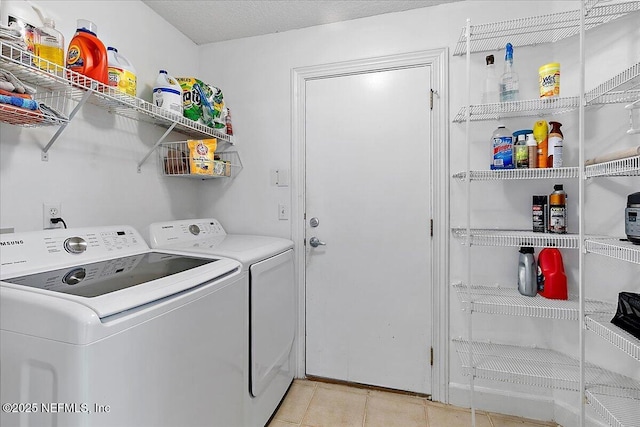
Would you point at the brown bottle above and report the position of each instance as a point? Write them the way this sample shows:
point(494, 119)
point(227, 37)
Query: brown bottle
point(555, 146)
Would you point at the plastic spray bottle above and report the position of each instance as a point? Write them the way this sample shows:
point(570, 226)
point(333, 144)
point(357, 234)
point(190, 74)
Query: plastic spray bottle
point(555, 145)
point(541, 134)
point(509, 80)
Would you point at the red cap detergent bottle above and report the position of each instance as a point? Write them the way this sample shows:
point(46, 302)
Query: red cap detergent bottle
point(552, 282)
point(87, 55)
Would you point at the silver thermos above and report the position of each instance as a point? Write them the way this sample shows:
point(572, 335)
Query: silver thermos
point(527, 272)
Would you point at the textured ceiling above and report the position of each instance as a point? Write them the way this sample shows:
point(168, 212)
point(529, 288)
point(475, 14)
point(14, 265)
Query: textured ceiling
point(219, 20)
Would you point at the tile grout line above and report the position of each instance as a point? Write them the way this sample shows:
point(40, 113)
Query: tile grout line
point(366, 403)
point(315, 388)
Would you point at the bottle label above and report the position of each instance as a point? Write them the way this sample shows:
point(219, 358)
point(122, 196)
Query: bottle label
point(522, 156)
point(555, 150)
point(539, 218)
point(74, 58)
point(502, 148)
point(124, 80)
point(558, 219)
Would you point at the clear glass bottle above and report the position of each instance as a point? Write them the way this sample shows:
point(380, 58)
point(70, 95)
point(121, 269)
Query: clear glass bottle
point(491, 83)
point(509, 80)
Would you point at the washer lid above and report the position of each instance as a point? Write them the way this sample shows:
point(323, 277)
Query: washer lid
point(116, 285)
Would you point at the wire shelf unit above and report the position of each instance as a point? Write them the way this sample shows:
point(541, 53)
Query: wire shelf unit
point(524, 108)
point(629, 166)
point(74, 86)
point(538, 29)
point(600, 324)
point(508, 301)
point(534, 173)
point(625, 87)
point(173, 159)
point(617, 411)
point(516, 238)
point(621, 88)
point(537, 367)
point(614, 248)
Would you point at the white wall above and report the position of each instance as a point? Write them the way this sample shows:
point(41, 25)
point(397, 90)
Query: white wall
point(92, 166)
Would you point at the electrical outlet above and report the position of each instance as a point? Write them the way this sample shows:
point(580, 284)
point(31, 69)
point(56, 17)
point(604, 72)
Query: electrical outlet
point(51, 210)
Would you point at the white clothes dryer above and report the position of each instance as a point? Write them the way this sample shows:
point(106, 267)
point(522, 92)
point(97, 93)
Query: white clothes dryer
point(99, 330)
point(268, 262)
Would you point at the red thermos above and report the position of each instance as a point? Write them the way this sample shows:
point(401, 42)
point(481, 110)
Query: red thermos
point(552, 282)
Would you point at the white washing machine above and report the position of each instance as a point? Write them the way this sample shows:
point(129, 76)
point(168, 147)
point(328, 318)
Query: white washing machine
point(98, 330)
point(268, 261)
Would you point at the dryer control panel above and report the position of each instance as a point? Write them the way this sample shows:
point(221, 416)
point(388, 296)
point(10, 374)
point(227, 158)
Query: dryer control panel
point(184, 231)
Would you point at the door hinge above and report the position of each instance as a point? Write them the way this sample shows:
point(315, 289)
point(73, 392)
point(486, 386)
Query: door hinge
point(431, 227)
point(431, 99)
point(431, 356)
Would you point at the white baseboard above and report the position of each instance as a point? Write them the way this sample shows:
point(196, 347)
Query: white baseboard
point(502, 401)
point(535, 407)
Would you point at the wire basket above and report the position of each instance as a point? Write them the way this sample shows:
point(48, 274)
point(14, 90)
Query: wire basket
point(174, 160)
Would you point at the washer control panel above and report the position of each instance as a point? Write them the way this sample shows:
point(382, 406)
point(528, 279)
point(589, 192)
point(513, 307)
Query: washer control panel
point(21, 252)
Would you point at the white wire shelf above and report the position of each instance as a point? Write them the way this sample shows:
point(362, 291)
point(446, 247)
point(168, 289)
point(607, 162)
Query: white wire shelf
point(29, 118)
point(623, 87)
point(614, 248)
point(173, 160)
point(537, 367)
point(71, 85)
point(517, 238)
point(538, 29)
point(629, 166)
point(508, 301)
point(524, 108)
point(617, 411)
point(507, 174)
point(600, 324)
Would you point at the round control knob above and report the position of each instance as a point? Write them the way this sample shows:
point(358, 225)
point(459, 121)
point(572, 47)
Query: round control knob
point(75, 276)
point(75, 245)
point(194, 229)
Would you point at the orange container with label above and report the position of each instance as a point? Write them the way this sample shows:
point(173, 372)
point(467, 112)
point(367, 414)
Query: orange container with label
point(86, 54)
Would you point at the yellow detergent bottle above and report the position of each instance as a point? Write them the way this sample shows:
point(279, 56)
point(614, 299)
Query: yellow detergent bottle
point(122, 74)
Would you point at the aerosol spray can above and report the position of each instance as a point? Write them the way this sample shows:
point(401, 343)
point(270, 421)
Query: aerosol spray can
point(558, 210)
point(539, 214)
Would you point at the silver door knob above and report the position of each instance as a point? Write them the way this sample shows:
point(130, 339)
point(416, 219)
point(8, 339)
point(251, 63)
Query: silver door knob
point(315, 242)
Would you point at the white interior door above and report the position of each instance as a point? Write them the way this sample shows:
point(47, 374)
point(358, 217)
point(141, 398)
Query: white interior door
point(368, 290)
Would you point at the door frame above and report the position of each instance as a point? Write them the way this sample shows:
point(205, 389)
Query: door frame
point(437, 59)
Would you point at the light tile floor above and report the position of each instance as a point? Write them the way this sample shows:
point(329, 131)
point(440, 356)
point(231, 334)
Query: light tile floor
point(320, 404)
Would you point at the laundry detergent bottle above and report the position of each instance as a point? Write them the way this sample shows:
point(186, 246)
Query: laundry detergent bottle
point(167, 93)
point(86, 54)
point(552, 281)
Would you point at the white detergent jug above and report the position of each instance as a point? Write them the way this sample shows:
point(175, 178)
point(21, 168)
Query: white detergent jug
point(122, 75)
point(167, 93)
